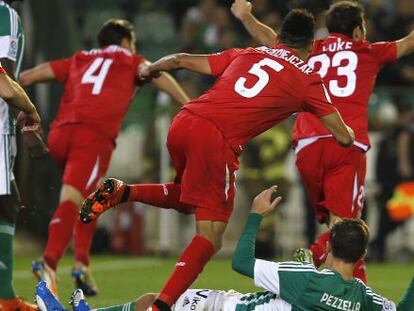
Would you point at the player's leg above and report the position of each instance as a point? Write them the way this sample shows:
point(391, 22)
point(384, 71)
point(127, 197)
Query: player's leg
point(344, 190)
point(9, 208)
point(208, 183)
point(61, 225)
point(311, 168)
point(191, 262)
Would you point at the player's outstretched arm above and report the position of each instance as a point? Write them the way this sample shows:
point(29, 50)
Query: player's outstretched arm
point(40, 73)
point(195, 63)
point(243, 258)
point(342, 133)
point(242, 10)
point(15, 96)
point(165, 82)
point(405, 45)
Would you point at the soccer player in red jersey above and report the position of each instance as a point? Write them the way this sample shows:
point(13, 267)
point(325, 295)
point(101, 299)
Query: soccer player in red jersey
point(255, 89)
point(348, 64)
point(98, 87)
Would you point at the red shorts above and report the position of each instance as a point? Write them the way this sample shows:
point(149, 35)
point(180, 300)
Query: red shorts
point(334, 178)
point(82, 153)
point(205, 165)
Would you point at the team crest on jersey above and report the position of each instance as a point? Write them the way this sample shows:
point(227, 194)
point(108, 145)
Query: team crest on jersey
point(13, 47)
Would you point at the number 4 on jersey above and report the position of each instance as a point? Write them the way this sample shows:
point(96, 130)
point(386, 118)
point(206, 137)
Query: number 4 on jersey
point(96, 74)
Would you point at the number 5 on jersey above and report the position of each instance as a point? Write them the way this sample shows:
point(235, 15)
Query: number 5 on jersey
point(96, 74)
point(263, 76)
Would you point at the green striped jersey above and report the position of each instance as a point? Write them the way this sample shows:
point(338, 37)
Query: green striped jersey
point(306, 288)
point(11, 47)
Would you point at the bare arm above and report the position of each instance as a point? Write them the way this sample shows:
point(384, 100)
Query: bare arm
point(242, 10)
point(195, 63)
point(15, 96)
point(40, 73)
point(405, 45)
point(342, 133)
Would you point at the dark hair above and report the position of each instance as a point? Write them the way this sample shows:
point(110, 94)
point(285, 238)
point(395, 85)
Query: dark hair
point(297, 29)
point(349, 239)
point(113, 31)
point(344, 16)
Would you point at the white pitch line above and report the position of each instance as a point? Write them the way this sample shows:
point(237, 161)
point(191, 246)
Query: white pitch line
point(100, 266)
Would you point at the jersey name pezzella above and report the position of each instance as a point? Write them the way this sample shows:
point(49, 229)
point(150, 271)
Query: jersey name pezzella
point(340, 304)
point(289, 57)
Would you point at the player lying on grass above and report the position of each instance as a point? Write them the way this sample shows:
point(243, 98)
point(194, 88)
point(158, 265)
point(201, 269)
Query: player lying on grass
point(348, 64)
point(288, 285)
point(99, 85)
point(255, 89)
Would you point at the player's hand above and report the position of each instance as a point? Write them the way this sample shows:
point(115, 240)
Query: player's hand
point(146, 74)
point(32, 134)
point(241, 8)
point(28, 121)
point(263, 204)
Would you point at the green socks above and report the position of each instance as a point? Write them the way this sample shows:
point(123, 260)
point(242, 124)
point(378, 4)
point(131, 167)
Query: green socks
point(6, 260)
point(126, 307)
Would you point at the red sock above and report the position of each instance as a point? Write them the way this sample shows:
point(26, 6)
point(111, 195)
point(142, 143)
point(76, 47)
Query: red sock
point(319, 249)
point(360, 271)
point(60, 232)
point(187, 268)
point(83, 240)
point(161, 195)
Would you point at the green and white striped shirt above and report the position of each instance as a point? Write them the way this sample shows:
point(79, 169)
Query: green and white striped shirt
point(11, 47)
point(306, 288)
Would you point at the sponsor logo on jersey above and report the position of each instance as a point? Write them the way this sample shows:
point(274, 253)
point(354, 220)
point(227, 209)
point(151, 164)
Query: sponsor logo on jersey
point(340, 304)
point(186, 301)
point(180, 264)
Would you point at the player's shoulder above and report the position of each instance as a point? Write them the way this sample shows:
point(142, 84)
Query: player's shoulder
point(114, 52)
point(294, 266)
point(8, 17)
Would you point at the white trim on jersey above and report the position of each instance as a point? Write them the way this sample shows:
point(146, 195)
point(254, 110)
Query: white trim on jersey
point(266, 275)
point(302, 143)
point(7, 155)
point(7, 229)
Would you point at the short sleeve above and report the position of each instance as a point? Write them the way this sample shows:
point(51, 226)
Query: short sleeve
point(9, 31)
point(266, 275)
point(219, 61)
point(384, 52)
point(293, 279)
point(317, 100)
point(61, 68)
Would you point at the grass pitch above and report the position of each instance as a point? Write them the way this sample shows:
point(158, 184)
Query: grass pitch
point(122, 279)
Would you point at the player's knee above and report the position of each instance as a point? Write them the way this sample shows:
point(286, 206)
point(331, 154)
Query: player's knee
point(70, 193)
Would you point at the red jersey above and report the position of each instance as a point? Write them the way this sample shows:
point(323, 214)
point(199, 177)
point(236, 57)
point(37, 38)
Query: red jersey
point(99, 85)
point(2, 70)
point(349, 70)
point(256, 89)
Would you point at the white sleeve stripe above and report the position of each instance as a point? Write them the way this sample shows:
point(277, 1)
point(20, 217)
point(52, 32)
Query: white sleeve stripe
point(305, 270)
